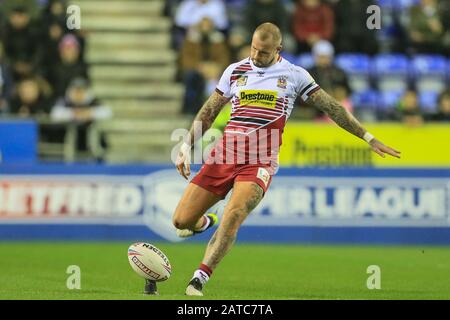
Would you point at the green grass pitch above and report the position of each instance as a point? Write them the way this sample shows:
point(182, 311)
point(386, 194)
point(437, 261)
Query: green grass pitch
point(30, 270)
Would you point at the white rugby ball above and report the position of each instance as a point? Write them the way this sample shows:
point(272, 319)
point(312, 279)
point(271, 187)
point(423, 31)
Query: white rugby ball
point(149, 262)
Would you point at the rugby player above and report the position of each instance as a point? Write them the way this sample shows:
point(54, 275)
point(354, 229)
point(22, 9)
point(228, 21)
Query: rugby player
point(262, 89)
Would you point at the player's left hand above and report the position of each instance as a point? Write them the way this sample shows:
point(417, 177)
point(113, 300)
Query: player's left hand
point(183, 162)
point(378, 147)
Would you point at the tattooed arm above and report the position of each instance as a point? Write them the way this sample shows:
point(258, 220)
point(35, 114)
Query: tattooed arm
point(203, 121)
point(324, 102)
point(206, 115)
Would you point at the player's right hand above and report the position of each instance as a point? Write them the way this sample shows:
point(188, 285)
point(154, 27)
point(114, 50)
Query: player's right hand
point(183, 162)
point(381, 149)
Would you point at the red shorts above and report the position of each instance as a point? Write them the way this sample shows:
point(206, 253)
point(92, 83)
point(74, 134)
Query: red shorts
point(219, 178)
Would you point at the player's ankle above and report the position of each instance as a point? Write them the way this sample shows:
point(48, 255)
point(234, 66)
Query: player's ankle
point(203, 273)
point(205, 223)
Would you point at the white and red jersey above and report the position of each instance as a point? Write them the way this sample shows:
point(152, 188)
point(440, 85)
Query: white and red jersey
point(262, 100)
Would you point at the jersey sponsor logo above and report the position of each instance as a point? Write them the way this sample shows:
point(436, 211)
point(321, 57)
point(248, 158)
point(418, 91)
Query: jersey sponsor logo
point(258, 98)
point(282, 82)
point(241, 81)
point(264, 175)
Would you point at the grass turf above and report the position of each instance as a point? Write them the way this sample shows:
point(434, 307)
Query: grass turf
point(38, 271)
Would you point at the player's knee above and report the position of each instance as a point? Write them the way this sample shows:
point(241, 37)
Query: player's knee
point(181, 223)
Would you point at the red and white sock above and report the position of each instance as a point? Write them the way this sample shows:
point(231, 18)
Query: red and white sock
point(206, 223)
point(203, 273)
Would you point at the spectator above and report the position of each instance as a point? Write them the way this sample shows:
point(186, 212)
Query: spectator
point(352, 35)
point(425, 27)
point(202, 44)
point(443, 114)
point(408, 109)
point(256, 12)
point(330, 77)
point(53, 29)
point(80, 106)
point(192, 12)
point(21, 43)
point(312, 22)
point(69, 66)
point(30, 98)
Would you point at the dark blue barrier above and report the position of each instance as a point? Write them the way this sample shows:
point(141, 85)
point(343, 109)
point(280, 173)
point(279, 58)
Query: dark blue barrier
point(303, 205)
point(18, 141)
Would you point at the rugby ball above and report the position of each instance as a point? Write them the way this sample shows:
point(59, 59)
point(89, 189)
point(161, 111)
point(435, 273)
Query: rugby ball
point(149, 262)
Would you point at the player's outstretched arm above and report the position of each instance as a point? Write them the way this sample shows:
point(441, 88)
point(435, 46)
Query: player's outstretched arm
point(205, 117)
point(324, 102)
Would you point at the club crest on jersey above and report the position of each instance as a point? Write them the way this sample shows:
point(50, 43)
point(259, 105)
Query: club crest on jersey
point(261, 74)
point(282, 82)
point(241, 81)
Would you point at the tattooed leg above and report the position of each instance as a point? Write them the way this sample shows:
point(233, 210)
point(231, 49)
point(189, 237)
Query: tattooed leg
point(245, 197)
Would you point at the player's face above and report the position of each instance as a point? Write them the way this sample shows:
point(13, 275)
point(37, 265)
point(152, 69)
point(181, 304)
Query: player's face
point(263, 53)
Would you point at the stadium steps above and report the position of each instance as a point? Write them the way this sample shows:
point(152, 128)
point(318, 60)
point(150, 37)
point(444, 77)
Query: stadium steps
point(112, 40)
point(143, 109)
point(136, 140)
point(138, 90)
point(132, 68)
point(149, 9)
point(127, 73)
point(131, 56)
point(126, 24)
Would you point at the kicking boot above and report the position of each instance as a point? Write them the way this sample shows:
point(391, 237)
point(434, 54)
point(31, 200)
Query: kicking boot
point(194, 288)
point(185, 233)
point(150, 287)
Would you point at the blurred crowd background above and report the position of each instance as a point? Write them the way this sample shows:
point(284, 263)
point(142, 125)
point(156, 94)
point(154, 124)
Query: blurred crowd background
point(397, 73)
point(400, 72)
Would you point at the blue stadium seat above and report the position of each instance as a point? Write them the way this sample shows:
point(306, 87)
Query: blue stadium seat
point(404, 5)
point(429, 72)
point(357, 67)
point(392, 71)
point(448, 71)
point(386, 4)
point(428, 101)
point(429, 64)
point(354, 63)
point(305, 60)
point(389, 99)
point(365, 99)
point(289, 57)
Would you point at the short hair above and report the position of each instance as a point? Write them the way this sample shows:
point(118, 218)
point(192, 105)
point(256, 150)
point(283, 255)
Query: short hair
point(269, 30)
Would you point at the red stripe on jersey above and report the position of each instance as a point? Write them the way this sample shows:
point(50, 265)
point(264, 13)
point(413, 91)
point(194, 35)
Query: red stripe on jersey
point(251, 125)
point(255, 115)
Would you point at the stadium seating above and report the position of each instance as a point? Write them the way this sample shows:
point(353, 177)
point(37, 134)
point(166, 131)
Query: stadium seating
point(357, 67)
point(428, 101)
point(448, 72)
point(403, 5)
point(389, 100)
point(305, 60)
point(429, 72)
point(289, 57)
point(365, 99)
point(391, 72)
